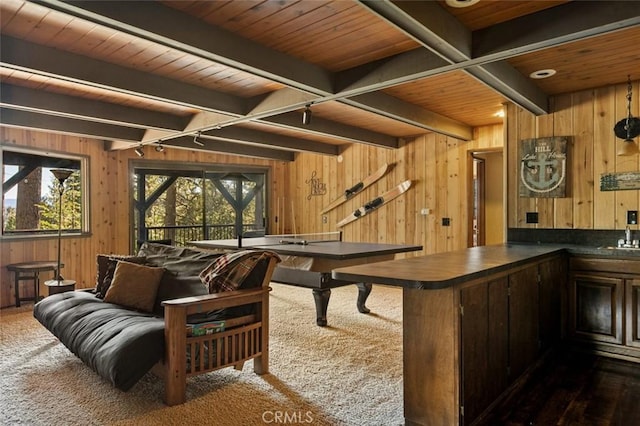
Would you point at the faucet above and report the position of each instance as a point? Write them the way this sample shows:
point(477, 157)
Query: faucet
point(628, 241)
point(627, 236)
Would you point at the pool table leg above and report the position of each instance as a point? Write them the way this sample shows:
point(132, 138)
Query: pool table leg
point(364, 289)
point(321, 296)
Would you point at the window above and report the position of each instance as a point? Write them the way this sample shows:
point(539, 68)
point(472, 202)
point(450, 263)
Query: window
point(181, 204)
point(31, 193)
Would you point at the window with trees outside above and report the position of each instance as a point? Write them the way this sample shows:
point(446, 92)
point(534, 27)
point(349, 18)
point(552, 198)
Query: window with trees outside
point(31, 193)
point(182, 204)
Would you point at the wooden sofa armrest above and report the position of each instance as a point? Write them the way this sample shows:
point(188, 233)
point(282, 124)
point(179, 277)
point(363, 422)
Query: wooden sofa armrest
point(175, 323)
point(209, 302)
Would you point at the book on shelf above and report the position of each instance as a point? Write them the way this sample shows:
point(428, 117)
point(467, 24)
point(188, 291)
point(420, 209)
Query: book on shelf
point(203, 328)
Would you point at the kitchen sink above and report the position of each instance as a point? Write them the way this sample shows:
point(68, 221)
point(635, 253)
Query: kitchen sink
point(620, 248)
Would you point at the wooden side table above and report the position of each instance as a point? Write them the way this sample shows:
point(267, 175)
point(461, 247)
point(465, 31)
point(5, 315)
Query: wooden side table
point(31, 271)
point(60, 286)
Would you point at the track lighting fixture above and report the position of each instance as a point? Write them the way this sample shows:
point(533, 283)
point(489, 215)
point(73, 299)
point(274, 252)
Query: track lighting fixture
point(159, 147)
point(306, 115)
point(196, 141)
point(139, 152)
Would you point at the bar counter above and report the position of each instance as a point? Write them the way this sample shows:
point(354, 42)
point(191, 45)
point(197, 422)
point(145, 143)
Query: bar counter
point(441, 270)
point(475, 321)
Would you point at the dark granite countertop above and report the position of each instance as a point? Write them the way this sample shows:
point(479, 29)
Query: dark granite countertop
point(443, 270)
point(595, 251)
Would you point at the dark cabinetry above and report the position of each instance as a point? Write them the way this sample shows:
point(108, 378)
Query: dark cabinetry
point(603, 305)
point(484, 331)
point(596, 304)
point(506, 324)
point(632, 296)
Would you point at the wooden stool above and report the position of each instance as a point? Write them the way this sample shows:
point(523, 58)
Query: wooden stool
point(31, 271)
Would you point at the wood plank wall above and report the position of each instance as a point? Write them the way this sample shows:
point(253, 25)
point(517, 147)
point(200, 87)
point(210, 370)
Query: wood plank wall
point(437, 166)
point(110, 208)
point(433, 162)
point(588, 118)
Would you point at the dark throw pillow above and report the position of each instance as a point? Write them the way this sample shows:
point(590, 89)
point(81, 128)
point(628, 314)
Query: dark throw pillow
point(176, 287)
point(106, 265)
point(134, 286)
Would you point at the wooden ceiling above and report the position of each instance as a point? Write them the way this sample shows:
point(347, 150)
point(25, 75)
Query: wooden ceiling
point(240, 73)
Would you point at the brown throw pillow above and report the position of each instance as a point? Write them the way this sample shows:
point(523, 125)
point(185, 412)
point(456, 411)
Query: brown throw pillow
point(134, 286)
point(106, 265)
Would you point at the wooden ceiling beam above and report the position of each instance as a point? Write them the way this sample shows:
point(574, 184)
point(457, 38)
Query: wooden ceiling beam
point(482, 53)
point(438, 31)
point(204, 120)
point(402, 68)
point(244, 150)
point(46, 61)
point(157, 23)
point(284, 99)
point(54, 63)
point(429, 24)
point(553, 27)
point(51, 62)
point(72, 126)
point(256, 137)
point(322, 127)
point(27, 99)
point(160, 24)
point(279, 101)
point(411, 114)
point(447, 46)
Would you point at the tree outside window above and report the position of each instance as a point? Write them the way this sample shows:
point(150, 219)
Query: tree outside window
point(30, 193)
point(186, 205)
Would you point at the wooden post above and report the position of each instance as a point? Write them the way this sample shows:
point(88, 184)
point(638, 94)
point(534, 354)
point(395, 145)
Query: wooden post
point(175, 335)
point(261, 363)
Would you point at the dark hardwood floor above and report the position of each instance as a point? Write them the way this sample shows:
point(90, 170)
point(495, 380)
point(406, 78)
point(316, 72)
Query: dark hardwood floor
point(575, 389)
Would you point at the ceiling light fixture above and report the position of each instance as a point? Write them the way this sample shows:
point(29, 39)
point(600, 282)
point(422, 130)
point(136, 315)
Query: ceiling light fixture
point(628, 128)
point(461, 3)
point(139, 152)
point(159, 147)
point(306, 115)
point(540, 74)
point(196, 141)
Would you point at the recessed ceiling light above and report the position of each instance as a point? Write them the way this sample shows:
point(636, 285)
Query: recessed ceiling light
point(461, 3)
point(542, 73)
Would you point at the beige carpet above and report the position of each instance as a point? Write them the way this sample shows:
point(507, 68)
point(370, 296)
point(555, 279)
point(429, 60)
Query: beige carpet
point(349, 373)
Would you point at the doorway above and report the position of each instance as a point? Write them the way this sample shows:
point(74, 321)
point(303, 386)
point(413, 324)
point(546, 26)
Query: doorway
point(486, 216)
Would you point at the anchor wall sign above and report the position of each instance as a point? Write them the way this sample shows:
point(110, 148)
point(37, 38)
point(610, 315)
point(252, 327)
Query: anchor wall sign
point(543, 167)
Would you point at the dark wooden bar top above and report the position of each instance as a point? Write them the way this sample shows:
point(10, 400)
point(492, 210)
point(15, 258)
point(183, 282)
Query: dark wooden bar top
point(441, 270)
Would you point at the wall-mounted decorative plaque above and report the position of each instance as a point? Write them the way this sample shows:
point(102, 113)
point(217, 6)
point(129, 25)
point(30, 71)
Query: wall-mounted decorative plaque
point(316, 186)
point(619, 181)
point(543, 167)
